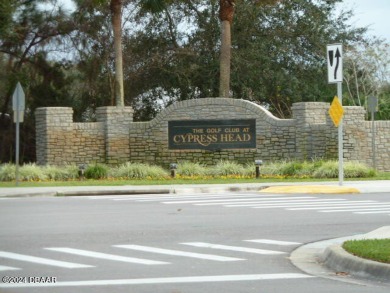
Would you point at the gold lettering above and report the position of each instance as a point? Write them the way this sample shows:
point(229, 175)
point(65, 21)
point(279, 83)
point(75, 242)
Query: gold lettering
point(197, 130)
point(232, 130)
point(213, 130)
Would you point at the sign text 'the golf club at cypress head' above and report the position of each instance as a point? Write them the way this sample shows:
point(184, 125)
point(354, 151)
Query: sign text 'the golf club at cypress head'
point(212, 134)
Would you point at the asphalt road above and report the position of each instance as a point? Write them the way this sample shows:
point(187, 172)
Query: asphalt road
point(177, 244)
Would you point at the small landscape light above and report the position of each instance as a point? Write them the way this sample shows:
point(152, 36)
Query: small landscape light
point(258, 163)
point(173, 167)
point(81, 170)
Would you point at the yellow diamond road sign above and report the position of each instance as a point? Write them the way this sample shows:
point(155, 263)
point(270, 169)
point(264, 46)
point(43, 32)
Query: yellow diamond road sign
point(336, 111)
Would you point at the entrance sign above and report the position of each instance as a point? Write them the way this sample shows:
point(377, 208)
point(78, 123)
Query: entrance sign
point(211, 134)
point(335, 63)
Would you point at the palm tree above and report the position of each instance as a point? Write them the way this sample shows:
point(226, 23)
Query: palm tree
point(116, 18)
point(226, 13)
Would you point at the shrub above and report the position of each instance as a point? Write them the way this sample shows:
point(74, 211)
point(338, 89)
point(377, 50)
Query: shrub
point(61, 173)
point(223, 168)
point(137, 171)
point(32, 172)
point(357, 170)
point(328, 169)
point(7, 172)
point(97, 171)
point(290, 168)
point(191, 169)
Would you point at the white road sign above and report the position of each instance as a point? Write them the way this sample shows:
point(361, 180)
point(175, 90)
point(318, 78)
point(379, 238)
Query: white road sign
point(18, 99)
point(334, 55)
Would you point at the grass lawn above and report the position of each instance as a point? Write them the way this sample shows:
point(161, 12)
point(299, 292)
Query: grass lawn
point(375, 249)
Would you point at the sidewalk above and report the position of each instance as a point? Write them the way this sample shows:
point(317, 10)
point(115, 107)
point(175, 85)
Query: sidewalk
point(328, 259)
point(291, 187)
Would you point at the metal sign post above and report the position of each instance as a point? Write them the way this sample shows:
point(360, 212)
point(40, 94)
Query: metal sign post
point(18, 106)
point(373, 107)
point(335, 75)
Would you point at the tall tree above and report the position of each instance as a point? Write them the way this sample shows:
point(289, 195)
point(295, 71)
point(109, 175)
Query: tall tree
point(226, 14)
point(30, 35)
point(116, 16)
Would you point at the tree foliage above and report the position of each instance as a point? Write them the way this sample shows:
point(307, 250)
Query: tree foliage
point(171, 52)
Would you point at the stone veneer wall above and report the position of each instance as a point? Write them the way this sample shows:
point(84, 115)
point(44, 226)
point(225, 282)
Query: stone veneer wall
point(115, 138)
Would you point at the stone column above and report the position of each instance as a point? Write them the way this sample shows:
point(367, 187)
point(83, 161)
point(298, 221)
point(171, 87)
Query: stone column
point(54, 133)
point(310, 123)
point(116, 121)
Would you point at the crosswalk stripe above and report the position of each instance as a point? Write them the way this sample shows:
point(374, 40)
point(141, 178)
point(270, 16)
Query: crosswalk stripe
point(232, 248)
point(178, 253)
point(292, 203)
point(40, 260)
point(276, 242)
point(339, 207)
point(374, 212)
point(231, 200)
point(356, 210)
point(267, 202)
point(5, 268)
point(100, 255)
point(167, 280)
point(307, 205)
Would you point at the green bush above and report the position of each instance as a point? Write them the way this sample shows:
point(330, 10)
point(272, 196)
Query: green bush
point(7, 172)
point(61, 173)
point(290, 168)
point(191, 169)
point(137, 171)
point(312, 169)
point(31, 172)
point(97, 171)
point(223, 168)
point(357, 170)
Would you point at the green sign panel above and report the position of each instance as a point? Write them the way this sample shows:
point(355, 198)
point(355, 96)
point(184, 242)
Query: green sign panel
point(212, 134)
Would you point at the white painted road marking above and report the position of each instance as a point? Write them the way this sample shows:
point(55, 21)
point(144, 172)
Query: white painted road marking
point(374, 212)
point(172, 280)
point(231, 200)
point(232, 248)
point(356, 210)
point(269, 202)
point(349, 207)
point(289, 203)
point(275, 242)
point(179, 253)
point(43, 261)
point(100, 255)
point(5, 268)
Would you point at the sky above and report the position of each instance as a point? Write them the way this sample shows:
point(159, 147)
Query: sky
point(372, 13)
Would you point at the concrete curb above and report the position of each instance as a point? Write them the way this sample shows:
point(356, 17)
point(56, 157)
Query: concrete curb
point(130, 190)
point(336, 258)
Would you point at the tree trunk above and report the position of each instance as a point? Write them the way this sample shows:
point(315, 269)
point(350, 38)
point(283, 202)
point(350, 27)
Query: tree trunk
point(226, 14)
point(225, 57)
point(116, 17)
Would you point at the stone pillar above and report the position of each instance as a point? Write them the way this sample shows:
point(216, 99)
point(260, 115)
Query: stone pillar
point(310, 123)
point(357, 146)
point(116, 121)
point(54, 133)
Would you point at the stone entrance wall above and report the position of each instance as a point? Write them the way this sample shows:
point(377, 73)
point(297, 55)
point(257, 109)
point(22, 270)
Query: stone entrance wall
point(115, 138)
